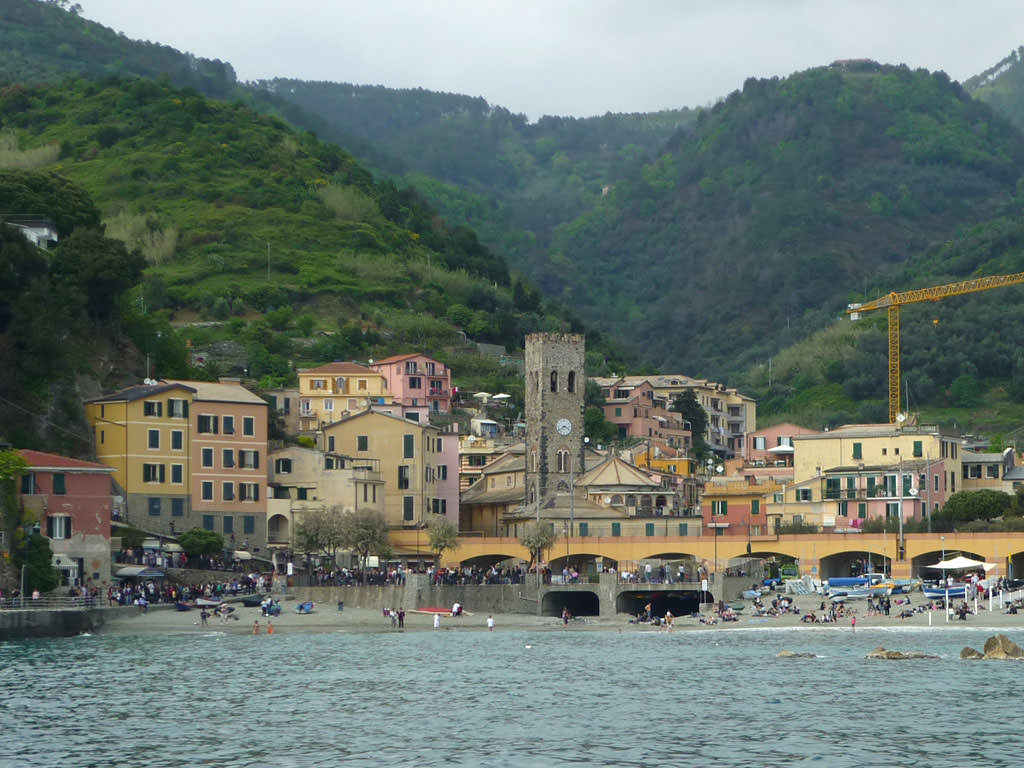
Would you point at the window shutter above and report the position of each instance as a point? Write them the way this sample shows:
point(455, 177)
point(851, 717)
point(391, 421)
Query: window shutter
point(255, 459)
point(163, 472)
point(49, 527)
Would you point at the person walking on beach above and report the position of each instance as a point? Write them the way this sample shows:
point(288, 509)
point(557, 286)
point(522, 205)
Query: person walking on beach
point(853, 623)
point(401, 618)
point(437, 621)
point(490, 623)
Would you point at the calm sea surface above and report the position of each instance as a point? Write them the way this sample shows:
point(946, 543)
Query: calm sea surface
point(595, 698)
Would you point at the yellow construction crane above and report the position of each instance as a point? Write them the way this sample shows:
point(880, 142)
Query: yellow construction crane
point(893, 302)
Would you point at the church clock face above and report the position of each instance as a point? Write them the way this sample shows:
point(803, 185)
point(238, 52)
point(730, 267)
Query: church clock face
point(563, 427)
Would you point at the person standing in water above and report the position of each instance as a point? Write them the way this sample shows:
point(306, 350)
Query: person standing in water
point(490, 623)
point(437, 621)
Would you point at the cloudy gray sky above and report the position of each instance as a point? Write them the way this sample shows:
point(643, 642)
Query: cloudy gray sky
point(570, 57)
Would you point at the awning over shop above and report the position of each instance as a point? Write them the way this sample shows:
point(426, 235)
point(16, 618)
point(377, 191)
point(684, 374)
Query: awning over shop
point(139, 572)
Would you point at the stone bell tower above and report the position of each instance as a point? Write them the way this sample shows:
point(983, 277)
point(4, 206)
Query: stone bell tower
point(555, 384)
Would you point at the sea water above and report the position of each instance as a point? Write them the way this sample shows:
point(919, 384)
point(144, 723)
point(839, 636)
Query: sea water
point(717, 697)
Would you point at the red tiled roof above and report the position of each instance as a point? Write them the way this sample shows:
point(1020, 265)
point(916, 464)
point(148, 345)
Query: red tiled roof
point(40, 459)
point(338, 367)
point(399, 358)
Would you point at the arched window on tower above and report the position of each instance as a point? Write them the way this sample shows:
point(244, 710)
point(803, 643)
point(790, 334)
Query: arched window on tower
point(571, 383)
point(563, 461)
point(554, 381)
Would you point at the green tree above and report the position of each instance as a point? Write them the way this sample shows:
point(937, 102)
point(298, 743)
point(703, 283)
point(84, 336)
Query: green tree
point(443, 535)
point(966, 506)
point(321, 531)
point(365, 532)
point(965, 391)
point(686, 404)
point(537, 537)
point(131, 536)
point(38, 561)
point(12, 467)
point(101, 268)
point(198, 541)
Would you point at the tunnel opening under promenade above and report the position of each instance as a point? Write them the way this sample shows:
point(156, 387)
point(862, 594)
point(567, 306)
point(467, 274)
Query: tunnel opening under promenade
point(844, 564)
point(578, 602)
point(679, 602)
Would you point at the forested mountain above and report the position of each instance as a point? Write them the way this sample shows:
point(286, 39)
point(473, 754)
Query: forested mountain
point(707, 240)
point(263, 246)
point(1001, 86)
point(787, 199)
point(482, 165)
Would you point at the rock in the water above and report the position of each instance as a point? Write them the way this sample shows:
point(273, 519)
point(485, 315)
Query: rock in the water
point(882, 653)
point(795, 655)
point(970, 653)
point(1002, 647)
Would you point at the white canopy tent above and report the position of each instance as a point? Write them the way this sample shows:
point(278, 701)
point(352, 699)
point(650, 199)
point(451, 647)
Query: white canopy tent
point(960, 562)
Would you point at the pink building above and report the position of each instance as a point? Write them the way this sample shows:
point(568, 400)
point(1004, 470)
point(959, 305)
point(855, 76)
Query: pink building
point(637, 411)
point(71, 500)
point(415, 380)
point(773, 446)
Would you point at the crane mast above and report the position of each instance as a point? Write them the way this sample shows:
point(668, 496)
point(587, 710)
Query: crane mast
point(893, 301)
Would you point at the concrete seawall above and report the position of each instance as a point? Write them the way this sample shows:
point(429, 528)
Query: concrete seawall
point(417, 593)
point(22, 624)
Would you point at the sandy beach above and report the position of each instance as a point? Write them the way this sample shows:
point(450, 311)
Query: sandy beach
point(164, 620)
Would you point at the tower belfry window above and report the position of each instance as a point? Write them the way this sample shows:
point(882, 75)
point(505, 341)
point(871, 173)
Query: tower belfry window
point(554, 381)
point(571, 382)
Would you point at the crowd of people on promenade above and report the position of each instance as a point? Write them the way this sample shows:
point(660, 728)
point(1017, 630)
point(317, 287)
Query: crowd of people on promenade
point(397, 575)
point(142, 594)
point(155, 559)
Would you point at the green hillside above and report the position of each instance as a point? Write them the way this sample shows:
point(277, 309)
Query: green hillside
point(511, 180)
point(264, 247)
point(1001, 86)
point(788, 199)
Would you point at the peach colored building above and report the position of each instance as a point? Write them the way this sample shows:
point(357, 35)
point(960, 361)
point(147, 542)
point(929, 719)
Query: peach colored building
point(415, 380)
point(228, 453)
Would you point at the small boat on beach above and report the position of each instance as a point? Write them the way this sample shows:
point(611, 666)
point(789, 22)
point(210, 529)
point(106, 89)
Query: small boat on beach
point(307, 607)
point(183, 605)
point(208, 602)
point(956, 592)
point(254, 600)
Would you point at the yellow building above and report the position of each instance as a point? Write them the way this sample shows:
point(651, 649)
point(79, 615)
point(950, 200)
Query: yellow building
point(144, 433)
point(868, 471)
point(187, 454)
point(336, 390)
point(418, 463)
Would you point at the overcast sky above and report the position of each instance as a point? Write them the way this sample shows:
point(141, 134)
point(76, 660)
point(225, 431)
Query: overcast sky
point(570, 57)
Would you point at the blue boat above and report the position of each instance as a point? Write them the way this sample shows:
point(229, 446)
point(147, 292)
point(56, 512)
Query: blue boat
point(957, 592)
point(308, 607)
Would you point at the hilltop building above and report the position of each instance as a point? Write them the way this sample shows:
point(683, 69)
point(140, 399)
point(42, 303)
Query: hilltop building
point(731, 414)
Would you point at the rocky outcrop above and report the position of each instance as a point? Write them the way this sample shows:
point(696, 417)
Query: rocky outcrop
point(996, 647)
point(883, 653)
point(795, 655)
